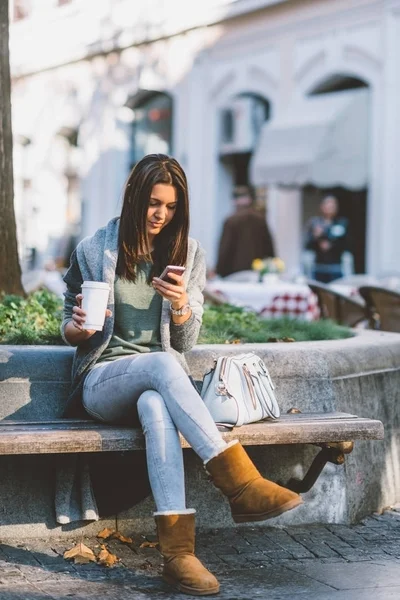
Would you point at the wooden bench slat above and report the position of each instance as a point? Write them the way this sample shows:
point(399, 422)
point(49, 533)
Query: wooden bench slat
point(65, 436)
point(86, 422)
point(317, 416)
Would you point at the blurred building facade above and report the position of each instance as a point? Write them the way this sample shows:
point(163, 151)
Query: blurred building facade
point(297, 97)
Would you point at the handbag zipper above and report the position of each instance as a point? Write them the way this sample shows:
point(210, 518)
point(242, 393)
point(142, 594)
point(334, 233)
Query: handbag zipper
point(222, 387)
point(250, 385)
point(223, 368)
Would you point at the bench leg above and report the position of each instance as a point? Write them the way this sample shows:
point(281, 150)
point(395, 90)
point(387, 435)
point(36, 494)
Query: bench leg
point(333, 452)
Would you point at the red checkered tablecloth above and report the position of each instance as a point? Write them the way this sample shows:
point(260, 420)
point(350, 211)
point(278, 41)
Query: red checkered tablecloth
point(299, 305)
point(269, 300)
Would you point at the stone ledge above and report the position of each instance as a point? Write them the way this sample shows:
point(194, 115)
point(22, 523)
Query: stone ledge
point(308, 367)
point(327, 358)
point(360, 375)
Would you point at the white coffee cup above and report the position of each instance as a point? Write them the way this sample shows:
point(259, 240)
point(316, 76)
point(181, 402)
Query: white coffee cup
point(94, 303)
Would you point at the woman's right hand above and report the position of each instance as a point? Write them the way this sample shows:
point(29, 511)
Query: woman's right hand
point(79, 317)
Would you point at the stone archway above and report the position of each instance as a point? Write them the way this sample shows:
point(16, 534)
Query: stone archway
point(352, 202)
point(240, 123)
point(243, 81)
point(324, 76)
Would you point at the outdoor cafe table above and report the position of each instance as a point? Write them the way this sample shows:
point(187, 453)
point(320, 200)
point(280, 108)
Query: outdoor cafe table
point(269, 299)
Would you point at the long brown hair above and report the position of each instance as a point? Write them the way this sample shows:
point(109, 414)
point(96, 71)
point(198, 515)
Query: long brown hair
point(171, 244)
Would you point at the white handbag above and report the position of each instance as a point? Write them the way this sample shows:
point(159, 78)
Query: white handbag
point(239, 390)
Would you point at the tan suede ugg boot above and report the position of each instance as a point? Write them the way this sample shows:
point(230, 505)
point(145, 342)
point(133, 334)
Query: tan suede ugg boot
point(252, 498)
point(176, 534)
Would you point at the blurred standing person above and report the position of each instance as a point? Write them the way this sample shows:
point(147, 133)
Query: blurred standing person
point(245, 236)
point(327, 236)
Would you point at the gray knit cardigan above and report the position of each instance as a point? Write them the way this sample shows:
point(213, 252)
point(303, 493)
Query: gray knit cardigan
point(95, 259)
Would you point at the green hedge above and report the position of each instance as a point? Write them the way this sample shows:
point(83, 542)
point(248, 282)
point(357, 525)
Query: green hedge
point(230, 324)
point(36, 320)
point(32, 320)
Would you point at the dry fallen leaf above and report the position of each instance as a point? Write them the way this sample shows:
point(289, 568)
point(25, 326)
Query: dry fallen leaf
point(148, 545)
point(118, 536)
point(237, 341)
point(106, 558)
point(81, 554)
point(105, 533)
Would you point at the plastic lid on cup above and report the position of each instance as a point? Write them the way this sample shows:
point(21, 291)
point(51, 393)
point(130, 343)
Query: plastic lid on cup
point(96, 284)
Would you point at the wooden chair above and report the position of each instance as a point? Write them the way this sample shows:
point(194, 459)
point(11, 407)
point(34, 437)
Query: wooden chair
point(338, 307)
point(383, 307)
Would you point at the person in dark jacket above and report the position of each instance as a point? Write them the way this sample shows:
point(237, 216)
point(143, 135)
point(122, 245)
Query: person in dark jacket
point(245, 236)
point(327, 236)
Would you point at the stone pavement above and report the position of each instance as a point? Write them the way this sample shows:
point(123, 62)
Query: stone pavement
point(324, 562)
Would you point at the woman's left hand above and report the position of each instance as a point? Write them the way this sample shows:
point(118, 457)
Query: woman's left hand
point(175, 292)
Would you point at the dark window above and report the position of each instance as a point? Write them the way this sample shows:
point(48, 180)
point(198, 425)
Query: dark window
point(338, 83)
point(227, 125)
point(152, 126)
point(242, 121)
point(260, 109)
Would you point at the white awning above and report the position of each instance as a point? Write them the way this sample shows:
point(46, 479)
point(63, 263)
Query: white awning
point(320, 140)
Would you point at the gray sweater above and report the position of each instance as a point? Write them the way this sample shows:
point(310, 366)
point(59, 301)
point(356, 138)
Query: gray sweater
point(95, 259)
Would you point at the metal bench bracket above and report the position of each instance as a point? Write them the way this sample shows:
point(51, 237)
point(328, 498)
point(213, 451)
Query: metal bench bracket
point(333, 452)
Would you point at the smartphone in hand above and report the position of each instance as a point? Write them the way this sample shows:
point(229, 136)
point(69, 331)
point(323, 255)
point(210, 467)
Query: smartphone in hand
point(172, 269)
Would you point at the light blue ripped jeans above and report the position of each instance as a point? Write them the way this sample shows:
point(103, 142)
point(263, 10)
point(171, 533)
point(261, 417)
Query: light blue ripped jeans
point(155, 388)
